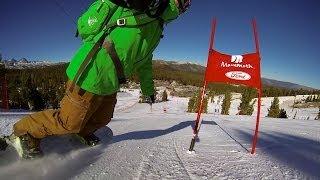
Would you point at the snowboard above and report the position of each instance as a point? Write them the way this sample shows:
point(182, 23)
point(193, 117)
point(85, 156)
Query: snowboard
point(62, 145)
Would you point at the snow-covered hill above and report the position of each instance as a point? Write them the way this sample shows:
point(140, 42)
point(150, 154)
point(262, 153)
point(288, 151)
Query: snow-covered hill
point(285, 102)
point(152, 143)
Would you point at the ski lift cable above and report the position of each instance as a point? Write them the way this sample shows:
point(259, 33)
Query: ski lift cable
point(84, 3)
point(64, 11)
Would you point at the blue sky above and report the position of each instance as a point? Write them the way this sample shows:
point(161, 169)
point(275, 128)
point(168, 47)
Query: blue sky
point(289, 33)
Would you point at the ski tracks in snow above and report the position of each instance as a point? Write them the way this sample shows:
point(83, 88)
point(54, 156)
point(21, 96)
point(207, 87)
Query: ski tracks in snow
point(217, 156)
point(162, 162)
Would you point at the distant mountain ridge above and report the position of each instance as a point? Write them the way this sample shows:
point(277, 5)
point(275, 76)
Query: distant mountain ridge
point(199, 69)
point(283, 84)
point(157, 64)
point(179, 66)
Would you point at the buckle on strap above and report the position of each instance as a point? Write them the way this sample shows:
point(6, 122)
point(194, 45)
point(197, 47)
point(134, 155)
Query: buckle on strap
point(121, 22)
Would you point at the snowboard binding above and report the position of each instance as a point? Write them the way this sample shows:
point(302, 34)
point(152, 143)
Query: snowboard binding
point(26, 146)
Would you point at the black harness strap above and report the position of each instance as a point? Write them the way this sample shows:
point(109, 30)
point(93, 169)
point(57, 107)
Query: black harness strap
point(114, 57)
point(160, 9)
point(86, 62)
point(93, 51)
point(109, 46)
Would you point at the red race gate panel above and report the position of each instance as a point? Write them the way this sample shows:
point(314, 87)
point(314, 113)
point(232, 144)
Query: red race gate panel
point(236, 69)
point(233, 69)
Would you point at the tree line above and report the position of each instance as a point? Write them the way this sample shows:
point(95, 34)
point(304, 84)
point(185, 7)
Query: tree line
point(36, 88)
point(246, 106)
point(196, 79)
point(40, 88)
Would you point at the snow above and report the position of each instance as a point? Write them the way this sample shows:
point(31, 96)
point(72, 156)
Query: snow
point(153, 143)
point(286, 102)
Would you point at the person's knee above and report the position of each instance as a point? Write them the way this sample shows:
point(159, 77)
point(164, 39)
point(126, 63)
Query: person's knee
point(72, 128)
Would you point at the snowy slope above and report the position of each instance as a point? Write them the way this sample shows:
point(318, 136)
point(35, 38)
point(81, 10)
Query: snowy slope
point(152, 144)
point(285, 102)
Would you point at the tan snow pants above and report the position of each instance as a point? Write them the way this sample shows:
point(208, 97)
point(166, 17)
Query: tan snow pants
point(81, 112)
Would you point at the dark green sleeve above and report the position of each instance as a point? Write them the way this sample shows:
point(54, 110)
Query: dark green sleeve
point(171, 12)
point(145, 75)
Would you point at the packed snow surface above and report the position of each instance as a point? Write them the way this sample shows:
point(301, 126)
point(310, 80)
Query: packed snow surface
point(153, 142)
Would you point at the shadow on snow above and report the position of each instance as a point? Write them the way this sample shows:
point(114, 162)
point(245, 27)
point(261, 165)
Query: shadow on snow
point(297, 152)
point(65, 157)
point(149, 134)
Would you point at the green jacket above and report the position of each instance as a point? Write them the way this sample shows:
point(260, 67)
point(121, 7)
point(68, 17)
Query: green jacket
point(134, 46)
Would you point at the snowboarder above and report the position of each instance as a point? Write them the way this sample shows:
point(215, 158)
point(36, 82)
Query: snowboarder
point(96, 71)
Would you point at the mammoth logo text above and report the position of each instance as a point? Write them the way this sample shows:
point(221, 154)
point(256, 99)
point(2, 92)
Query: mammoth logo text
point(236, 61)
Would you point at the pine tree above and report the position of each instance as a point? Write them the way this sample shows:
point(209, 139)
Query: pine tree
point(194, 102)
point(211, 95)
point(164, 96)
point(191, 104)
point(197, 104)
point(308, 99)
point(245, 107)
point(38, 103)
point(251, 108)
point(205, 105)
point(283, 114)
point(52, 98)
point(155, 92)
point(59, 94)
point(274, 108)
point(15, 97)
point(226, 103)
